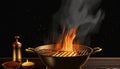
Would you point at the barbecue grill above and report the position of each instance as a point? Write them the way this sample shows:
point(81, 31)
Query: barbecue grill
point(54, 59)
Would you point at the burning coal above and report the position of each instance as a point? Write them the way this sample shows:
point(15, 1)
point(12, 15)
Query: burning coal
point(85, 15)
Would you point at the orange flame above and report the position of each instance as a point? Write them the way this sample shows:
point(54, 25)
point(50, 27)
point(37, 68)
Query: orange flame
point(66, 44)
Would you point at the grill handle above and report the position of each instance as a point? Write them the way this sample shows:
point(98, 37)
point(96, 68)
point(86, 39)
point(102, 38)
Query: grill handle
point(31, 50)
point(96, 49)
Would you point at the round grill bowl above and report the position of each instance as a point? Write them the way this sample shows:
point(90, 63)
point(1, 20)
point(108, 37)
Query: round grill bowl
point(73, 62)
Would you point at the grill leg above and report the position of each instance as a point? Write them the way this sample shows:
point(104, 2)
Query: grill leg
point(48, 67)
point(80, 67)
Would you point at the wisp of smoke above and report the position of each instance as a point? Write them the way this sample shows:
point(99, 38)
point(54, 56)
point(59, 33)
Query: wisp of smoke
point(86, 15)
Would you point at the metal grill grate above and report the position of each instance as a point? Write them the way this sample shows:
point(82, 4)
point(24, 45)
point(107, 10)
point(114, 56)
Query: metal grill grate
point(70, 53)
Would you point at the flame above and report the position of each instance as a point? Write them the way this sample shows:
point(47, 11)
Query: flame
point(66, 44)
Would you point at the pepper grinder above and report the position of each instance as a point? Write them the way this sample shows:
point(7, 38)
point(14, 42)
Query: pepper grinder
point(17, 50)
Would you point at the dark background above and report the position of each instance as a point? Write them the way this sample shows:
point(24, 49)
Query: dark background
point(32, 21)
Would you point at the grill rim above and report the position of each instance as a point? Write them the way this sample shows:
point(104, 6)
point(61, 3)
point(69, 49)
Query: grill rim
point(48, 46)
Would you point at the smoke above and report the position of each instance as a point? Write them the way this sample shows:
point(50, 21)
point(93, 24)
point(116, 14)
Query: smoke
point(86, 15)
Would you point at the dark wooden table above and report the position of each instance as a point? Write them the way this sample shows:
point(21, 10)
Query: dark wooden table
point(92, 63)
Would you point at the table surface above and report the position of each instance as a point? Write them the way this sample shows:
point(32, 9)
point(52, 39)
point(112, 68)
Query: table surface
point(92, 63)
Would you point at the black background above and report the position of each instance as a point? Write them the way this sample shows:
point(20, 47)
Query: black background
point(32, 21)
